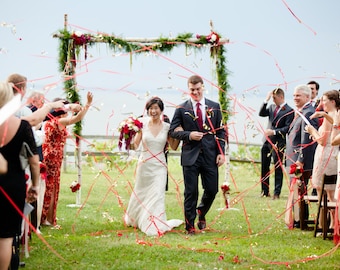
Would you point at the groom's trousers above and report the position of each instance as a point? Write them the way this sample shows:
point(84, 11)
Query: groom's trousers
point(209, 176)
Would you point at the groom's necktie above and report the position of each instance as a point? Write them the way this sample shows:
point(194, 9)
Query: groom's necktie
point(199, 116)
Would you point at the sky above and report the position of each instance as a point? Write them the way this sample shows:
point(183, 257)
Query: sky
point(271, 43)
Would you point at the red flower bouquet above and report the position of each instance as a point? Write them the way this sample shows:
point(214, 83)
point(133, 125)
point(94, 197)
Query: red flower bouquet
point(296, 170)
point(128, 128)
point(75, 186)
point(226, 192)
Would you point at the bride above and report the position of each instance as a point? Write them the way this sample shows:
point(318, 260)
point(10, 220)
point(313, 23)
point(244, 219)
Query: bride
point(146, 209)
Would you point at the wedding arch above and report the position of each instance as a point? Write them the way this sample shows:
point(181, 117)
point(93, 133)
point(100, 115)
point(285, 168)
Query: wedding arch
point(72, 43)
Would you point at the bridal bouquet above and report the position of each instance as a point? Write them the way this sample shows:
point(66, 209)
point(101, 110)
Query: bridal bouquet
point(128, 128)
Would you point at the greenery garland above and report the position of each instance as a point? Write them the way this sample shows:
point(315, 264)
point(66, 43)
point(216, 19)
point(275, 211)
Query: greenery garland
point(72, 43)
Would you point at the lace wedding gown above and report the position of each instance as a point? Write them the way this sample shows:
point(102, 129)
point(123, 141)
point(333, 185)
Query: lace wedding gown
point(146, 209)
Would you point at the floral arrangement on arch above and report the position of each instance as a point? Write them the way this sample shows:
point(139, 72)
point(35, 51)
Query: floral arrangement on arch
point(128, 128)
point(212, 38)
point(80, 39)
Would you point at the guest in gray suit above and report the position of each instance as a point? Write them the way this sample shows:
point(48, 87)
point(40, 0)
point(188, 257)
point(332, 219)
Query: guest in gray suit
point(300, 147)
point(198, 123)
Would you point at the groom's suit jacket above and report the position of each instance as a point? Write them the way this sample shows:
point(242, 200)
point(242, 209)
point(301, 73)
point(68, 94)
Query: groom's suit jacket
point(299, 145)
point(212, 143)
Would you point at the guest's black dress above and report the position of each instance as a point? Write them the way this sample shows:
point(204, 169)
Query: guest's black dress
point(13, 183)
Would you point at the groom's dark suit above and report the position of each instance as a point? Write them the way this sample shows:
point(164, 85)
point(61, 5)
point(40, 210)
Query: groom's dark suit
point(199, 157)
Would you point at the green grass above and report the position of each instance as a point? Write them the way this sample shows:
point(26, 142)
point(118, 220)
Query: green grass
point(250, 236)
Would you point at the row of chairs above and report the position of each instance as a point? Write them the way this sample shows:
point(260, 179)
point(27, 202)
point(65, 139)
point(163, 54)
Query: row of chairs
point(324, 207)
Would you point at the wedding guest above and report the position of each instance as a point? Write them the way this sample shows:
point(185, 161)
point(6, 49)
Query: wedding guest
point(300, 147)
point(35, 102)
point(53, 146)
point(203, 145)
point(146, 209)
point(34, 114)
point(14, 133)
point(314, 86)
point(19, 86)
point(336, 142)
point(280, 115)
point(325, 158)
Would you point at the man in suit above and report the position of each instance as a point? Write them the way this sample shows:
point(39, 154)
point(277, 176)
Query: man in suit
point(280, 115)
point(314, 86)
point(198, 123)
point(300, 146)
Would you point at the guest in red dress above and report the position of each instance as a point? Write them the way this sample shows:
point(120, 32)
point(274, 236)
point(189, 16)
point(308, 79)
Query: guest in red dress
point(53, 146)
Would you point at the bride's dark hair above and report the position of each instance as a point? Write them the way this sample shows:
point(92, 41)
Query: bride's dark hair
point(154, 100)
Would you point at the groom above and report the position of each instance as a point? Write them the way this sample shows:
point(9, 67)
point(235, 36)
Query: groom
point(198, 123)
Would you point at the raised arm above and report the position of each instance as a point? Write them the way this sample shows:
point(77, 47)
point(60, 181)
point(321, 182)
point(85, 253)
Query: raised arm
point(39, 115)
point(80, 114)
point(335, 136)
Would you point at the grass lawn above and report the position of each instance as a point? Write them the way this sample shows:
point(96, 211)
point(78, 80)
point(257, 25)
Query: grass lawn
point(250, 235)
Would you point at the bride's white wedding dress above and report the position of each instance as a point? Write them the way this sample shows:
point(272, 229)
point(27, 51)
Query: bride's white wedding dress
point(146, 209)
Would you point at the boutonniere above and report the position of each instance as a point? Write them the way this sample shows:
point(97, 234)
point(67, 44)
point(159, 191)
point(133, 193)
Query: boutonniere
point(192, 116)
point(283, 108)
point(209, 112)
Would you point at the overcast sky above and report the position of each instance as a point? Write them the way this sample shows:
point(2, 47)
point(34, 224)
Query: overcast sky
point(272, 42)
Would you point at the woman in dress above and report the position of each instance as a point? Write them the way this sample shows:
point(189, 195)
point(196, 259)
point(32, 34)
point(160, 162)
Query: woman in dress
point(336, 143)
point(53, 148)
point(325, 157)
point(14, 133)
point(146, 209)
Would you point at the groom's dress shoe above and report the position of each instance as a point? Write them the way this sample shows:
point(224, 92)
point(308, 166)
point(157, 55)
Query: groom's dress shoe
point(191, 232)
point(201, 224)
point(264, 194)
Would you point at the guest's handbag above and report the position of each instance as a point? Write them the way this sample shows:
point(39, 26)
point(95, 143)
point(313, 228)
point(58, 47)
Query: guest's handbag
point(15, 259)
point(24, 154)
